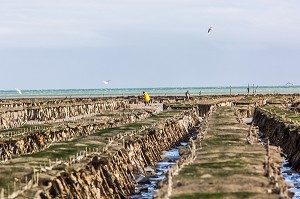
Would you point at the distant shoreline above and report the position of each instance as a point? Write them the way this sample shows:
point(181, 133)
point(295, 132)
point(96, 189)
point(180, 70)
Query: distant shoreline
point(159, 88)
point(171, 91)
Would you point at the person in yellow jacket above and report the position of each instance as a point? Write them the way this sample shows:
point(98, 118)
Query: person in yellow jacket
point(146, 98)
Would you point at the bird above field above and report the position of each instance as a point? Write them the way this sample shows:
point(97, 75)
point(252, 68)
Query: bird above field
point(209, 29)
point(19, 91)
point(106, 82)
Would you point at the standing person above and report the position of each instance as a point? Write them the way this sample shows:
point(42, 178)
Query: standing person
point(187, 95)
point(146, 98)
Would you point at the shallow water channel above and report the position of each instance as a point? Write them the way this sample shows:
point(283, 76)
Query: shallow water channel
point(147, 186)
point(293, 177)
point(290, 175)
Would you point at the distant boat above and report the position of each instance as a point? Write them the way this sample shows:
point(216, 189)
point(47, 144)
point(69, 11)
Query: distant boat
point(289, 84)
point(19, 91)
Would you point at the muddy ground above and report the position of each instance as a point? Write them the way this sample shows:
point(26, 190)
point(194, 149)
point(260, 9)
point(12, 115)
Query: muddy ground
point(226, 166)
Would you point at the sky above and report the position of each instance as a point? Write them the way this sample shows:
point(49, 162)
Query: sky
point(67, 44)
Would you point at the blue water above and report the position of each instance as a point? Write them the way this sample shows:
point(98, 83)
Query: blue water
point(179, 91)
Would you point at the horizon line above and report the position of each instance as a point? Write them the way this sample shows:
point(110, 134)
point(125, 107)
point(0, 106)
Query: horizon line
point(183, 87)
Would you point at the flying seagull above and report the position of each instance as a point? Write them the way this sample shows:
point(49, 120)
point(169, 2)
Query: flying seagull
point(106, 81)
point(19, 91)
point(209, 29)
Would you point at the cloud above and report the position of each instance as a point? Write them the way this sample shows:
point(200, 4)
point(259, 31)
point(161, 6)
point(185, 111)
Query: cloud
point(111, 23)
point(51, 23)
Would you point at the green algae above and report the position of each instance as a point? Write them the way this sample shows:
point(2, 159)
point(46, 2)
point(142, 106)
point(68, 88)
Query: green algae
point(220, 195)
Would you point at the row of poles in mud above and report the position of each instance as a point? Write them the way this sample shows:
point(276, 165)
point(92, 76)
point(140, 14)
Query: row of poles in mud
point(270, 167)
point(26, 130)
point(186, 159)
point(21, 131)
point(17, 187)
point(275, 177)
point(15, 118)
point(13, 189)
point(84, 121)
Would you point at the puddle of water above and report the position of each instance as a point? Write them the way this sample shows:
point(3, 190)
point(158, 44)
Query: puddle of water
point(183, 143)
point(147, 187)
point(247, 120)
point(172, 154)
point(292, 177)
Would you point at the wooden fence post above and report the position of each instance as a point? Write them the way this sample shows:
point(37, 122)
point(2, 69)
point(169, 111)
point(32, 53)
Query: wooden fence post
point(37, 178)
point(15, 186)
point(33, 178)
point(8, 190)
point(169, 182)
point(20, 185)
point(26, 182)
point(2, 193)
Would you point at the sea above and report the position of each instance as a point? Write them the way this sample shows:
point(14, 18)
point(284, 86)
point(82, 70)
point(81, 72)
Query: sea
point(171, 91)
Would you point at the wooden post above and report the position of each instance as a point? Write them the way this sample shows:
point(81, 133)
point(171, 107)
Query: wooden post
point(20, 185)
point(169, 182)
point(268, 159)
point(194, 149)
point(37, 178)
point(8, 190)
point(15, 186)
point(268, 148)
point(2, 193)
point(26, 182)
point(33, 178)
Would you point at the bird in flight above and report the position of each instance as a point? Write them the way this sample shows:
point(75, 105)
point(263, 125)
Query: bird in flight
point(19, 91)
point(209, 29)
point(106, 81)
